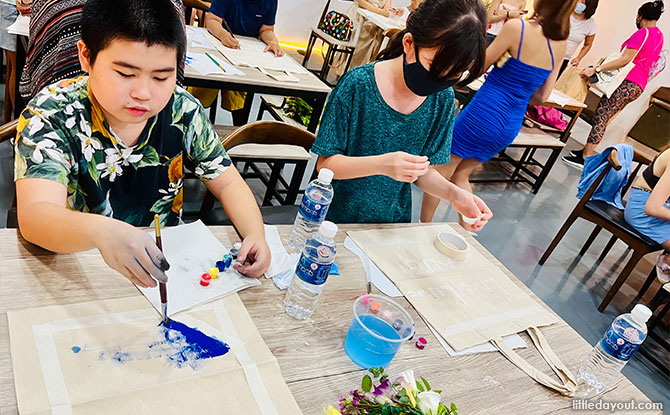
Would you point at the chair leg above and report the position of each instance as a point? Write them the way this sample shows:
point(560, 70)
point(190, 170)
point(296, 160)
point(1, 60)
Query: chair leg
point(647, 283)
point(608, 248)
point(568, 222)
point(308, 51)
point(589, 241)
point(637, 255)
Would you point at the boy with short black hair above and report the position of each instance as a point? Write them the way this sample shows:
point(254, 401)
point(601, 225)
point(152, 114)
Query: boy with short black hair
point(99, 155)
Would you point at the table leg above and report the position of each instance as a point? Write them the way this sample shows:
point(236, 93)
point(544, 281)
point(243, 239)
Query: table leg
point(317, 109)
point(546, 169)
point(246, 110)
point(308, 51)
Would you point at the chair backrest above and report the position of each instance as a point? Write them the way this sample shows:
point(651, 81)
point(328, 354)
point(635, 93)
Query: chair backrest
point(269, 132)
point(8, 131)
point(198, 4)
point(652, 129)
point(613, 163)
point(388, 33)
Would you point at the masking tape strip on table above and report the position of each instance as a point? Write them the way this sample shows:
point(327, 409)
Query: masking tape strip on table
point(254, 378)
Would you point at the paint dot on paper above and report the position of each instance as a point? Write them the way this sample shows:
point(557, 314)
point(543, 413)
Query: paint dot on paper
point(76, 349)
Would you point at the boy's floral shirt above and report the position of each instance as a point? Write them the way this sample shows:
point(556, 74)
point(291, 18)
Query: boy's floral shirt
point(63, 136)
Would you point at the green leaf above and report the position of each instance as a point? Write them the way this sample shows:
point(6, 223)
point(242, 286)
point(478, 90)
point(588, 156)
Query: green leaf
point(93, 171)
point(366, 385)
point(425, 382)
point(149, 157)
point(453, 409)
point(437, 390)
point(441, 409)
point(404, 400)
point(419, 387)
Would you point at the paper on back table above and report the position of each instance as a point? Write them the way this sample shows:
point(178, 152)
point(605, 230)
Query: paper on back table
point(251, 54)
point(191, 250)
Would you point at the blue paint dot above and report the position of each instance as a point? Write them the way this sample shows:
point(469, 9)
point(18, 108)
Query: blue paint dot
point(76, 349)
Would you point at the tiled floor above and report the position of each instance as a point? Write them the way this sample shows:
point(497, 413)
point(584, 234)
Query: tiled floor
point(523, 226)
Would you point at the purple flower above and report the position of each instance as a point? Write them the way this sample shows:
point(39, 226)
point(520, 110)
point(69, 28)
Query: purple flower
point(355, 402)
point(379, 390)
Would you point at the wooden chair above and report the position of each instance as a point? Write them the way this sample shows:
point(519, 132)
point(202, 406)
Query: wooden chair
point(387, 34)
point(335, 46)
point(195, 5)
point(8, 132)
point(608, 217)
point(277, 145)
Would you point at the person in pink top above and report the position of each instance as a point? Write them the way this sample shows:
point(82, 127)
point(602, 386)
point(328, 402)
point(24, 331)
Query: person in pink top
point(643, 48)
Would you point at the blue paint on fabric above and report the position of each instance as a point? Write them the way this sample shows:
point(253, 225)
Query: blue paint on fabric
point(76, 349)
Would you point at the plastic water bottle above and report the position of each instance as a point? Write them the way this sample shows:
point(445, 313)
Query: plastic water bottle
point(311, 273)
point(313, 209)
point(614, 350)
point(663, 267)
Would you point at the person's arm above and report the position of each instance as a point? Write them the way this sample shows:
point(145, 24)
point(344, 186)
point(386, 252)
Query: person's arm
point(506, 39)
point(267, 35)
point(213, 23)
point(588, 43)
point(496, 15)
point(240, 206)
point(624, 60)
point(45, 221)
point(655, 205)
point(461, 200)
point(542, 94)
point(400, 166)
point(24, 7)
point(384, 11)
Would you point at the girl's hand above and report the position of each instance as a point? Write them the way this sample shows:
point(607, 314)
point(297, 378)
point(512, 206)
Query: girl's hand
point(574, 61)
point(513, 14)
point(132, 252)
point(471, 206)
point(254, 256)
point(404, 167)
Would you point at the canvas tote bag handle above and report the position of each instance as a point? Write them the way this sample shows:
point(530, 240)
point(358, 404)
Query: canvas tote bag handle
point(568, 384)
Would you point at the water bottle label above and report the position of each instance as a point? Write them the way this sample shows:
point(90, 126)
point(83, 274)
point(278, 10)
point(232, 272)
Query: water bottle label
point(619, 346)
point(311, 272)
point(313, 211)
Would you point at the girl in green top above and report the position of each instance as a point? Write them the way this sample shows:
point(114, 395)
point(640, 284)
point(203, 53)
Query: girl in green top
point(388, 122)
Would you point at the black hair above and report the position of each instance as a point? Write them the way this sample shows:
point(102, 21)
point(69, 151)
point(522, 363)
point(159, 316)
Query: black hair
point(457, 28)
point(591, 6)
point(154, 22)
point(651, 10)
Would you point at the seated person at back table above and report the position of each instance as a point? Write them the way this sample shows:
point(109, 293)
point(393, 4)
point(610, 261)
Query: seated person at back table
point(243, 18)
point(648, 207)
point(98, 155)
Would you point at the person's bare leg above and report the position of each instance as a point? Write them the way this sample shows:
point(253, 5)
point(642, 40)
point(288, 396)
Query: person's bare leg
point(461, 176)
point(666, 245)
point(589, 149)
point(430, 203)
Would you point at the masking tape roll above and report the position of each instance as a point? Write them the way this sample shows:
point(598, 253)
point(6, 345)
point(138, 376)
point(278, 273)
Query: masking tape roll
point(471, 221)
point(452, 245)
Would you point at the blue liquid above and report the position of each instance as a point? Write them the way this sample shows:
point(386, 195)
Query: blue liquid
point(367, 350)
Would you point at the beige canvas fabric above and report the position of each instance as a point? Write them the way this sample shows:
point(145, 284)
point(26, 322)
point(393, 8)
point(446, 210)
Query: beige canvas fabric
point(468, 302)
point(51, 378)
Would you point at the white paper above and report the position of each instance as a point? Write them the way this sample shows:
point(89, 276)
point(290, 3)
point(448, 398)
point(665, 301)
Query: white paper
point(191, 250)
point(251, 54)
point(514, 341)
point(197, 39)
point(377, 277)
point(203, 64)
point(559, 99)
point(20, 26)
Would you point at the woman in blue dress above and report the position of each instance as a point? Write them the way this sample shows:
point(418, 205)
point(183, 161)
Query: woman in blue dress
point(526, 53)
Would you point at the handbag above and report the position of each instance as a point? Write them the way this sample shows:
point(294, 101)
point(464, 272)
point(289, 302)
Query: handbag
point(337, 25)
point(659, 65)
point(609, 81)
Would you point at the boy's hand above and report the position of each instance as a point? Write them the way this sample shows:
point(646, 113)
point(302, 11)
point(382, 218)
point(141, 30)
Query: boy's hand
point(404, 167)
point(471, 206)
point(230, 42)
point(274, 47)
point(132, 252)
point(254, 256)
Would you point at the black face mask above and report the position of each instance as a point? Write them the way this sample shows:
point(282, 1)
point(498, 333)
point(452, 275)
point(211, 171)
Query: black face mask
point(417, 78)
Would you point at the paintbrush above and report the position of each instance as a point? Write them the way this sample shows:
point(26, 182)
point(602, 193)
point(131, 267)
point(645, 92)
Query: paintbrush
point(162, 287)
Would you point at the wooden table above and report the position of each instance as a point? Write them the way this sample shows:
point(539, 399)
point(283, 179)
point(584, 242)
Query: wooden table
point(310, 87)
point(311, 354)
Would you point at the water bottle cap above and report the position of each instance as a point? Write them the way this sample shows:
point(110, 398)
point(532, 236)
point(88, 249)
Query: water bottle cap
point(325, 175)
point(641, 313)
point(328, 229)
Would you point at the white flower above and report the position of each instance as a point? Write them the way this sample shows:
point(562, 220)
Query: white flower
point(84, 126)
point(214, 165)
point(128, 157)
point(172, 191)
point(408, 381)
point(111, 166)
point(35, 125)
point(89, 145)
point(48, 147)
point(428, 402)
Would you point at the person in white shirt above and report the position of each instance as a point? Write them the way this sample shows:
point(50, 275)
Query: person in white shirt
point(500, 11)
point(583, 28)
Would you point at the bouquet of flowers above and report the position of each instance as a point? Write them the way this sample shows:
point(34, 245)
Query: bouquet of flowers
point(379, 395)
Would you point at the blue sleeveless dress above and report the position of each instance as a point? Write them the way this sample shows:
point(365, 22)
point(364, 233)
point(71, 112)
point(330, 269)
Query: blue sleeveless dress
point(492, 120)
